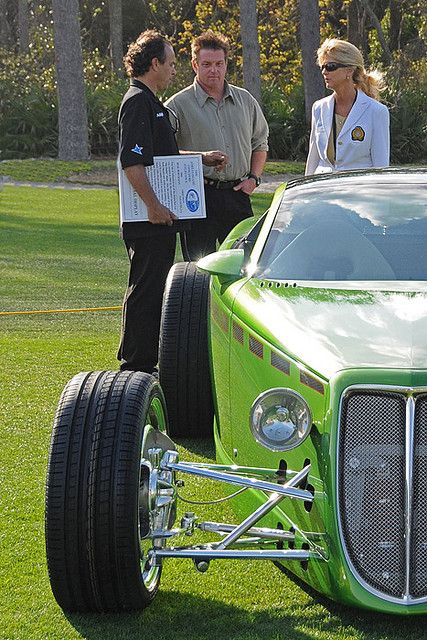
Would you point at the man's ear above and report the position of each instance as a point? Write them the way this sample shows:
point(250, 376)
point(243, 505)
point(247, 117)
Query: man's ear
point(155, 64)
point(194, 65)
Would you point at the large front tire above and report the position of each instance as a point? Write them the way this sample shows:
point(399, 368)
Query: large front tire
point(96, 498)
point(184, 354)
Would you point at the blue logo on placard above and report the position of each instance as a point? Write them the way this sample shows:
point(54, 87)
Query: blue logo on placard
point(192, 200)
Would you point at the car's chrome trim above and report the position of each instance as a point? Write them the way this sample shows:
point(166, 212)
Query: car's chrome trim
point(409, 391)
point(409, 453)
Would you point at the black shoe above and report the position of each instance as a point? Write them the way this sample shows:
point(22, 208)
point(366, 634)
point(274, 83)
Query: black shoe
point(128, 367)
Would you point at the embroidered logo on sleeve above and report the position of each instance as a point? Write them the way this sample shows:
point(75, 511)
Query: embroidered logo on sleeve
point(137, 149)
point(358, 134)
point(160, 114)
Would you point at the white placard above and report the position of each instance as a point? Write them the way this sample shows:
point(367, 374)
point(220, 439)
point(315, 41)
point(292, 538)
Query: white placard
point(177, 181)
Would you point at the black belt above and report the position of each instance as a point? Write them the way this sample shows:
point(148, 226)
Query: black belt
point(221, 184)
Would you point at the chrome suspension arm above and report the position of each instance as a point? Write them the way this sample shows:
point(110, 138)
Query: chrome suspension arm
point(265, 508)
point(288, 489)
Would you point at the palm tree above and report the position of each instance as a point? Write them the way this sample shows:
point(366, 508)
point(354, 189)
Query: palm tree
point(250, 46)
point(314, 87)
point(116, 35)
point(72, 111)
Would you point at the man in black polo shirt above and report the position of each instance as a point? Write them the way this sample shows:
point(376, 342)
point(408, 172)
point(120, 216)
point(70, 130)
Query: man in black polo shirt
point(146, 130)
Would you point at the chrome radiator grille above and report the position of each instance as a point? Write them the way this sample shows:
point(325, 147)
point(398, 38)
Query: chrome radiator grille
point(382, 478)
point(418, 578)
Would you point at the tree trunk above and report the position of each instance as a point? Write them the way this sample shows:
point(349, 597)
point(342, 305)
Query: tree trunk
point(357, 32)
point(116, 35)
point(23, 26)
point(5, 31)
point(396, 16)
point(72, 112)
point(354, 24)
point(314, 87)
point(250, 46)
point(377, 24)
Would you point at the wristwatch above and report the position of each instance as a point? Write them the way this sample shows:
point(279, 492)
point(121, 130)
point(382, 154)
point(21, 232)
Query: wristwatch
point(254, 177)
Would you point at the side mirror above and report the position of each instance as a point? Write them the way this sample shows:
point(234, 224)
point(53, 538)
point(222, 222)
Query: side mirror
point(226, 264)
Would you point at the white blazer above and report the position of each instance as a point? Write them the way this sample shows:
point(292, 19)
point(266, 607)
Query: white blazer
point(363, 142)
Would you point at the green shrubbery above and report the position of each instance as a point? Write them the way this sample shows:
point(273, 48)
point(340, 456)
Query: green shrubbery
point(28, 110)
point(285, 114)
point(406, 97)
point(28, 107)
point(103, 102)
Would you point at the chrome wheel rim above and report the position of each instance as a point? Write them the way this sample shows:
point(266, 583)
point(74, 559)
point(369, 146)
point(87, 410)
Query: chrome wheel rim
point(151, 517)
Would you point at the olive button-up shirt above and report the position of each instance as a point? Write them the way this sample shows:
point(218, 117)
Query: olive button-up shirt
point(236, 125)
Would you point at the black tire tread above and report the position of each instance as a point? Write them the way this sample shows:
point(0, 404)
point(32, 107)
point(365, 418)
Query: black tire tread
point(92, 490)
point(183, 354)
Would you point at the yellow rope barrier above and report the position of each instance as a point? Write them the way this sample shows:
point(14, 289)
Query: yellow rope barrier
point(19, 313)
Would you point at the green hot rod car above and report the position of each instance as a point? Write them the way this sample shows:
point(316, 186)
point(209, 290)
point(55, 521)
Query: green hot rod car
point(302, 345)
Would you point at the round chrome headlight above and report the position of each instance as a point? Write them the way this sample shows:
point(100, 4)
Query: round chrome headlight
point(280, 419)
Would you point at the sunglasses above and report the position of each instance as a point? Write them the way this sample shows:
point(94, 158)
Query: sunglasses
point(332, 66)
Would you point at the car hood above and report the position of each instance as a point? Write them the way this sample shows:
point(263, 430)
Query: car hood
point(334, 329)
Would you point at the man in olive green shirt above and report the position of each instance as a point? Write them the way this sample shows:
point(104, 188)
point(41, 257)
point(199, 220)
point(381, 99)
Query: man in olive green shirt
point(213, 114)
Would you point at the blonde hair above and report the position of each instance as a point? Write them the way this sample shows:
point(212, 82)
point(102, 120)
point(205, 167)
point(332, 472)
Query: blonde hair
point(370, 82)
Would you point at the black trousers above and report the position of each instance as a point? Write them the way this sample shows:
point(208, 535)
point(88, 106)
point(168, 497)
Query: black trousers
point(150, 261)
point(224, 209)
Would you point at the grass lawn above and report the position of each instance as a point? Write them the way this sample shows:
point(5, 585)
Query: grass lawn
point(60, 249)
point(96, 171)
point(50, 169)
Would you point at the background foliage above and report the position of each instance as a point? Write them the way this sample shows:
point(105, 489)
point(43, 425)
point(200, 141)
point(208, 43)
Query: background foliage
point(28, 102)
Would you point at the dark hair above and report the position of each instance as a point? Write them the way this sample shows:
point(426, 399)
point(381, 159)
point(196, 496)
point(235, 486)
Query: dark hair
point(209, 40)
point(148, 45)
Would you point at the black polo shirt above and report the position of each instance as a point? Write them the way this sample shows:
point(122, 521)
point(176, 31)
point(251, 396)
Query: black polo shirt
point(145, 131)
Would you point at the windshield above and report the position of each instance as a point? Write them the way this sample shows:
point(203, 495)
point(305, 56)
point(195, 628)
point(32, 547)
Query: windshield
point(349, 231)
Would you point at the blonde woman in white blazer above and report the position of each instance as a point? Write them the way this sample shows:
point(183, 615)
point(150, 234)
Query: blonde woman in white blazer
point(350, 129)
